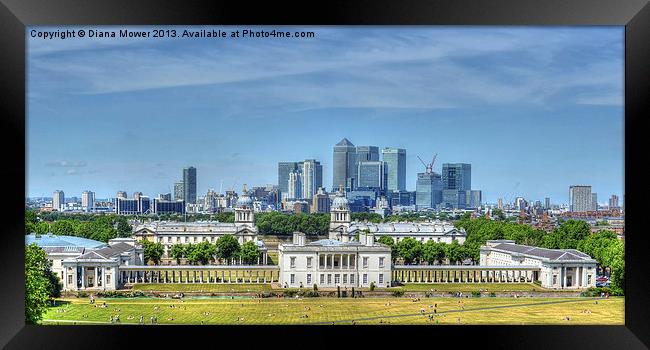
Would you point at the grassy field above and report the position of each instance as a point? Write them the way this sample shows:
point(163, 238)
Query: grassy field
point(473, 287)
point(508, 311)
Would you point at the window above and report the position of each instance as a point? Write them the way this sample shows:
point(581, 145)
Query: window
point(69, 279)
point(329, 278)
point(293, 261)
point(365, 262)
point(309, 278)
point(337, 278)
point(381, 262)
point(351, 278)
point(345, 278)
point(365, 278)
point(322, 278)
point(293, 278)
point(108, 279)
point(588, 279)
point(308, 262)
point(381, 278)
point(554, 279)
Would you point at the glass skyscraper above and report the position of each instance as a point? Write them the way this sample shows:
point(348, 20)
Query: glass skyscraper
point(284, 169)
point(428, 190)
point(372, 174)
point(312, 177)
point(189, 185)
point(344, 165)
point(395, 159)
point(367, 153)
point(456, 181)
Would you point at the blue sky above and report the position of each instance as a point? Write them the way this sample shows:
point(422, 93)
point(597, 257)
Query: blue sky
point(534, 110)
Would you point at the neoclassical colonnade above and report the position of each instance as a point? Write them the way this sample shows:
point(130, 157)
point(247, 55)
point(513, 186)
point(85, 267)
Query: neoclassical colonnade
point(338, 261)
point(464, 274)
point(198, 274)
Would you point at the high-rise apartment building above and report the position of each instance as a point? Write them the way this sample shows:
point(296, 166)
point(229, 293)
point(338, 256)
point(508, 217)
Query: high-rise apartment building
point(594, 201)
point(580, 198)
point(395, 159)
point(321, 202)
point(500, 203)
point(547, 203)
point(189, 185)
point(344, 165)
point(58, 200)
point(613, 202)
point(179, 192)
point(88, 201)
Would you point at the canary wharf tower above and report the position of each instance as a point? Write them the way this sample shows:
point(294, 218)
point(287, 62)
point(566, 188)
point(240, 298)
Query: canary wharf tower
point(344, 165)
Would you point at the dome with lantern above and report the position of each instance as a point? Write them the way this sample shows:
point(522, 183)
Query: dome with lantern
point(244, 201)
point(340, 202)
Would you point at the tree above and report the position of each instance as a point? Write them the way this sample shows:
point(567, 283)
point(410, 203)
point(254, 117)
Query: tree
point(249, 252)
point(387, 240)
point(433, 252)
point(409, 249)
point(178, 252)
point(152, 251)
point(37, 283)
point(41, 228)
point(123, 227)
point(62, 227)
point(498, 214)
point(454, 252)
point(227, 247)
point(201, 253)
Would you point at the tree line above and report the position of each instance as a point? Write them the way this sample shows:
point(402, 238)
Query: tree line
point(41, 284)
point(96, 227)
point(412, 251)
point(226, 249)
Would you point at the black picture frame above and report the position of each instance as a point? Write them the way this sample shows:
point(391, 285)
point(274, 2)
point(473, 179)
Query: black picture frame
point(15, 15)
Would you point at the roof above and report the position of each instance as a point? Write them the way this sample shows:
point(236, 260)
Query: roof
point(544, 253)
point(51, 240)
point(107, 252)
point(345, 142)
point(422, 228)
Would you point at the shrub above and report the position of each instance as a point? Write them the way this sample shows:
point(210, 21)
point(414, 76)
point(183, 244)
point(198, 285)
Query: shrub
point(398, 293)
point(476, 294)
point(315, 287)
point(372, 286)
point(82, 295)
point(309, 294)
point(290, 293)
point(493, 294)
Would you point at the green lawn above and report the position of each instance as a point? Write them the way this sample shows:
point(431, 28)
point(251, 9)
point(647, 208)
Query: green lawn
point(471, 287)
point(205, 287)
point(510, 311)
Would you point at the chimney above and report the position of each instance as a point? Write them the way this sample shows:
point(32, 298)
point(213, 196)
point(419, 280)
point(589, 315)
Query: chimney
point(362, 238)
point(299, 238)
point(370, 239)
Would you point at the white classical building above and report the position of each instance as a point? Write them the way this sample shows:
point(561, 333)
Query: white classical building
point(329, 263)
point(559, 268)
point(170, 233)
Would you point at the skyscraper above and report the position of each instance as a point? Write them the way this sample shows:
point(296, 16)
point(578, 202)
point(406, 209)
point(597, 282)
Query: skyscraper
point(284, 168)
point(395, 159)
point(88, 201)
point(312, 177)
point(58, 200)
point(372, 174)
point(428, 190)
point(344, 165)
point(547, 203)
point(456, 179)
point(178, 191)
point(367, 153)
point(294, 185)
point(189, 185)
point(580, 198)
point(613, 201)
point(594, 201)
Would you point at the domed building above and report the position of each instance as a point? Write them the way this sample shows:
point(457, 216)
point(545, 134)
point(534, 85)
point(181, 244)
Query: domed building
point(339, 218)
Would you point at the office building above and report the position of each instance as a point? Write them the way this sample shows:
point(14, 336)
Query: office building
point(165, 207)
point(312, 178)
point(580, 198)
point(137, 195)
point(500, 203)
point(367, 153)
point(294, 185)
point(88, 201)
point(428, 190)
point(395, 159)
point(613, 201)
point(473, 199)
point(284, 169)
point(344, 165)
point(457, 176)
point(320, 202)
point(58, 200)
point(165, 196)
point(547, 203)
point(594, 201)
point(179, 192)
point(127, 206)
point(189, 185)
point(372, 175)
point(402, 198)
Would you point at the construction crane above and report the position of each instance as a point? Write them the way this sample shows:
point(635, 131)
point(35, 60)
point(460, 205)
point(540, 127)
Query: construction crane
point(429, 167)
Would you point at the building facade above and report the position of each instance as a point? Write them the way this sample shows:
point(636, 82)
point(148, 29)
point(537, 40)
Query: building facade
point(395, 159)
point(372, 175)
point(189, 185)
point(559, 268)
point(428, 190)
point(58, 200)
point(580, 198)
point(344, 165)
point(312, 178)
point(88, 201)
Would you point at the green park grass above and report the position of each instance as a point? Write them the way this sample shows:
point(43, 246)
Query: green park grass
point(279, 311)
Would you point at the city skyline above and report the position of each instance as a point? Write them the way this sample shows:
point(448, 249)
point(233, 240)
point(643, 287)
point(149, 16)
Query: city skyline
point(533, 110)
